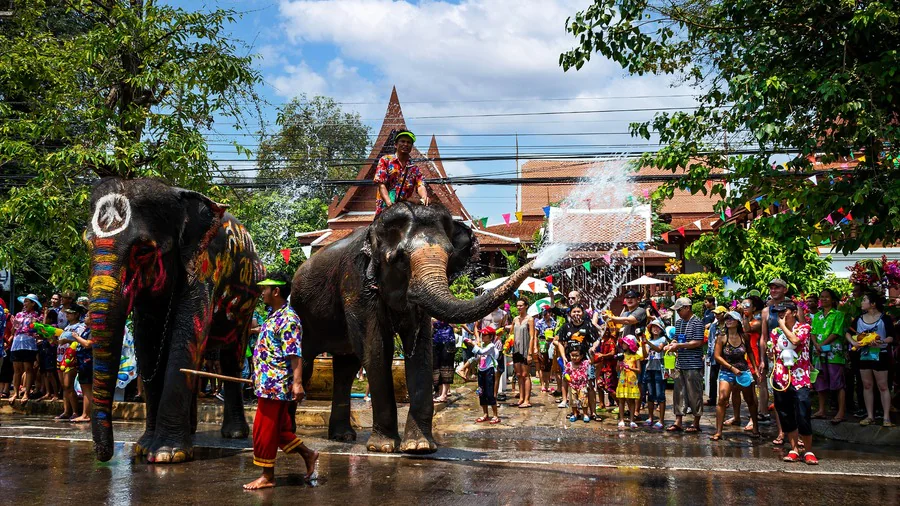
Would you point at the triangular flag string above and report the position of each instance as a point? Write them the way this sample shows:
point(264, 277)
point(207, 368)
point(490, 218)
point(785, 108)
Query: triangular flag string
point(587, 266)
point(546, 211)
point(812, 178)
point(698, 224)
point(506, 218)
point(307, 251)
point(286, 255)
point(519, 216)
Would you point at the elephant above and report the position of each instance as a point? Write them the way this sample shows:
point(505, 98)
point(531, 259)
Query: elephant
point(388, 278)
point(186, 271)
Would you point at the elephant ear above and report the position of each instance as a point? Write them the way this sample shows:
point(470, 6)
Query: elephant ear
point(465, 249)
point(202, 217)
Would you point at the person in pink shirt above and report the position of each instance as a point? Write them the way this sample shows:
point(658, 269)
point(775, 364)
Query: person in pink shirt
point(791, 380)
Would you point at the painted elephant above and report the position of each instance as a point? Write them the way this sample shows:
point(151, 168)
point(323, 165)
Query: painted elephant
point(188, 271)
point(352, 310)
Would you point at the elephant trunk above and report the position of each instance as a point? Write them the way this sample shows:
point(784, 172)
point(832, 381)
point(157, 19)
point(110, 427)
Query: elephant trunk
point(108, 313)
point(430, 288)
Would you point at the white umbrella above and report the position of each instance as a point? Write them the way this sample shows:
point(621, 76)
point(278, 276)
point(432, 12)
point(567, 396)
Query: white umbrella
point(538, 306)
point(646, 280)
point(540, 286)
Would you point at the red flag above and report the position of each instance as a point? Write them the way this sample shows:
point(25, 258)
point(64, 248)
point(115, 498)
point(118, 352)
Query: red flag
point(286, 254)
point(681, 231)
point(531, 285)
point(841, 210)
point(709, 185)
point(665, 236)
point(549, 279)
point(849, 217)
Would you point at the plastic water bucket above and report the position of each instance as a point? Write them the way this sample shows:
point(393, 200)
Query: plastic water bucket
point(669, 360)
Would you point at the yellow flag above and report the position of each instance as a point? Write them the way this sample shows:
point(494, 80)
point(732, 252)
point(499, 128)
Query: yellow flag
point(862, 158)
point(625, 251)
point(747, 205)
point(519, 216)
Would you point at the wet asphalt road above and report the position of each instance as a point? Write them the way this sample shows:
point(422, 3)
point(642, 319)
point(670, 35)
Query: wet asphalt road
point(43, 462)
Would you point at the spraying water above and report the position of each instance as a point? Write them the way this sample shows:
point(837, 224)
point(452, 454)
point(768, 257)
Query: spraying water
point(591, 224)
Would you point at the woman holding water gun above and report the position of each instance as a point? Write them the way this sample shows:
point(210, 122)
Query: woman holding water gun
point(24, 345)
point(69, 363)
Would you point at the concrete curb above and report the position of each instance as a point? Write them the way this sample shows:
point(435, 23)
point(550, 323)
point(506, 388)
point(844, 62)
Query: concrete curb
point(852, 432)
point(312, 414)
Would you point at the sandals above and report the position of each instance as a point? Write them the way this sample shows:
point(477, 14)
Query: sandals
point(481, 419)
point(597, 418)
point(866, 421)
point(674, 428)
point(732, 421)
point(658, 425)
point(792, 456)
point(715, 437)
point(887, 423)
point(525, 406)
point(495, 420)
point(692, 430)
point(778, 441)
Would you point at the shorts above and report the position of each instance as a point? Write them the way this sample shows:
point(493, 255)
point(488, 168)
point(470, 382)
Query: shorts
point(501, 364)
point(544, 362)
point(882, 364)
point(518, 358)
point(86, 374)
point(578, 397)
point(655, 386)
point(794, 410)
point(830, 378)
point(591, 375)
point(486, 386)
point(443, 355)
point(46, 356)
point(23, 355)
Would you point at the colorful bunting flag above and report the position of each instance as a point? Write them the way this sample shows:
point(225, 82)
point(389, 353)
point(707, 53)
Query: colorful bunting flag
point(506, 218)
point(568, 272)
point(849, 217)
point(728, 212)
point(516, 293)
point(587, 265)
point(681, 231)
point(531, 285)
point(690, 291)
point(549, 279)
point(286, 255)
point(546, 211)
point(483, 222)
point(829, 219)
point(642, 246)
point(646, 193)
point(607, 258)
point(307, 251)
point(758, 199)
point(747, 205)
point(519, 216)
point(625, 251)
point(709, 185)
point(698, 224)
point(812, 178)
point(665, 236)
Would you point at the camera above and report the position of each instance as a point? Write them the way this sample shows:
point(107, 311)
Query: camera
point(620, 356)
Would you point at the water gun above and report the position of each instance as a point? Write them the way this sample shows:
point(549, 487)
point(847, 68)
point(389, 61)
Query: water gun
point(866, 339)
point(508, 345)
point(609, 323)
point(48, 332)
point(562, 368)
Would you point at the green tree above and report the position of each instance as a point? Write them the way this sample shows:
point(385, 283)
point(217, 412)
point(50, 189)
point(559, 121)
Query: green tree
point(816, 79)
point(316, 140)
point(130, 92)
point(753, 257)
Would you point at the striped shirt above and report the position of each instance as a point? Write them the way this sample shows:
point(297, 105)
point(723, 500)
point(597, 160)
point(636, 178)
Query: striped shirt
point(685, 332)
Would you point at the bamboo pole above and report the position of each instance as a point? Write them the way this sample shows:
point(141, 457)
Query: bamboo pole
point(216, 376)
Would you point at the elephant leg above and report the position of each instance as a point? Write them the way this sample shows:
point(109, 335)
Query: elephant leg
point(234, 421)
point(345, 369)
point(152, 394)
point(417, 437)
point(172, 439)
point(149, 359)
point(385, 436)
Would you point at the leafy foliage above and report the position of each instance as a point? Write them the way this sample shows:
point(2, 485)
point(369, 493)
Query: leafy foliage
point(463, 288)
point(701, 284)
point(842, 287)
point(101, 88)
point(315, 139)
point(816, 78)
point(753, 258)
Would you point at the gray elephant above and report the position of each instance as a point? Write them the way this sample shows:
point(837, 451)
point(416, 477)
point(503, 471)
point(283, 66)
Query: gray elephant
point(188, 271)
point(413, 251)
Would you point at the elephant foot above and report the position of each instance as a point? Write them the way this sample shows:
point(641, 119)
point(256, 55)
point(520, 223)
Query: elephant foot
point(142, 447)
point(348, 436)
point(170, 455)
point(421, 444)
point(237, 429)
point(382, 444)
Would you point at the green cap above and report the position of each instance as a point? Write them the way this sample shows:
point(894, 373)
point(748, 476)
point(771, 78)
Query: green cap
point(271, 282)
point(407, 133)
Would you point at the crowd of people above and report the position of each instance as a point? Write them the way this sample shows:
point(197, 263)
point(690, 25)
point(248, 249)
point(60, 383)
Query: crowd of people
point(745, 351)
point(46, 350)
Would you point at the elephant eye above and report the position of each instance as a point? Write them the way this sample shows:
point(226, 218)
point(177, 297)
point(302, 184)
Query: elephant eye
point(144, 250)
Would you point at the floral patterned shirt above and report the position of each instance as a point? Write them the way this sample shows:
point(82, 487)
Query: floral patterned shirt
point(442, 333)
point(25, 337)
point(578, 374)
point(391, 174)
point(798, 374)
point(279, 340)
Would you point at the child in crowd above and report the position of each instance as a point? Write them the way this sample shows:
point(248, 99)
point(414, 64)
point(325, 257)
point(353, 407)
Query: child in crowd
point(85, 357)
point(628, 391)
point(68, 365)
point(486, 354)
point(655, 384)
point(606, 365)
point(577, 376)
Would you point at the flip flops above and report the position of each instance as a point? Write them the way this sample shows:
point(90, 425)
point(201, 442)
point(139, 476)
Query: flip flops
point(674, 428)
point(692, 430)
point(481, 419)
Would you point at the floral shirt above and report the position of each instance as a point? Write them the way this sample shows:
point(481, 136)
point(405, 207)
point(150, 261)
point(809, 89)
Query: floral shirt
point(578, 374)
point(608, 346)
point(401, 184)
point(798, 374)
point(26, 337)
point(279, 340)
point(442, 333)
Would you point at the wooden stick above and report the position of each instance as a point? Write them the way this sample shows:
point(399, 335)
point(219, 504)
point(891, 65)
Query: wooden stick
point(216, 376)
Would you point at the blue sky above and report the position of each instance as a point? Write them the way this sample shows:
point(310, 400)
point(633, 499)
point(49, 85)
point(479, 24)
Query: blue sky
point(449, 59)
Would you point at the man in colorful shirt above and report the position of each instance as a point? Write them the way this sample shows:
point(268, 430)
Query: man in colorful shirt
point(397, 176)
point(791, 382)
point(277, 382)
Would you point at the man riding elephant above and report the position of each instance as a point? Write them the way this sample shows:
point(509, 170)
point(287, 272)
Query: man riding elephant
point(417, 250)
point(188, 272)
